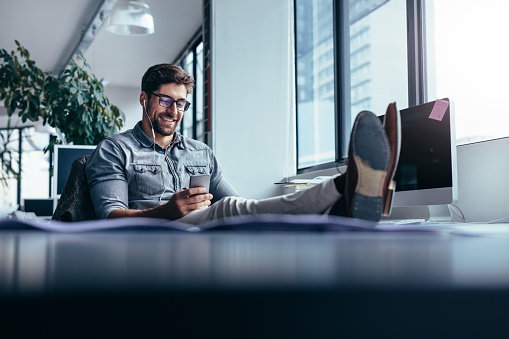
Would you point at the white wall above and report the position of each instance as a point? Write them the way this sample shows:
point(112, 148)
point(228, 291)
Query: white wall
point(252, 99)
point(127, 99)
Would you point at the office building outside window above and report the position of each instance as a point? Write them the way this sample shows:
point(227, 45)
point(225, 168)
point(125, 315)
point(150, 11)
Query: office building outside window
point(377, 75)
point(315, 82)
point(407, 51)
point(378, 55)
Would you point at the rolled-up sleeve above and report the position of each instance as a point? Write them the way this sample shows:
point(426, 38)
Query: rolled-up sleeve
point(219, 186)
point(107, 179)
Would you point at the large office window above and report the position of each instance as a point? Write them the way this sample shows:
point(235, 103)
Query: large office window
point(407, 51)
point(468, 62)
point(191, 60)
point(315, 82)
point(375, 52)
point(187, 121)
point(378, 71)
point(35, 183)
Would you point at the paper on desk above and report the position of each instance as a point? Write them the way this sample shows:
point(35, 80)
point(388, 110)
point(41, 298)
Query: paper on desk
point(7, 209)
point(91, 225)
point(273, 222)
point(305, 182)
point(253, 223)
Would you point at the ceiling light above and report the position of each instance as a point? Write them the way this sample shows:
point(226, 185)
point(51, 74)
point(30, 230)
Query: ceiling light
point(131, 17)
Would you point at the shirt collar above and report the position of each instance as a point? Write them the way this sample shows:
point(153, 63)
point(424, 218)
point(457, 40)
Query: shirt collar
point(146, 141)
point(178, 140)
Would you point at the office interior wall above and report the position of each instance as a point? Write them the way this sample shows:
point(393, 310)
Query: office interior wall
point(252, 93)
point(126, 99)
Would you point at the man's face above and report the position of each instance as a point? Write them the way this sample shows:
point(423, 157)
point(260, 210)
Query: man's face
point(166, 119)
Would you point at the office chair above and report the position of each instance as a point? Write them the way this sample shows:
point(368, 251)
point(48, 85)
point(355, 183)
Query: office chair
point(75, 203)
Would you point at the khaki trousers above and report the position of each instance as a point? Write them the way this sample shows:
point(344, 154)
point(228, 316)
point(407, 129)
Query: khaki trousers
point(314, 200)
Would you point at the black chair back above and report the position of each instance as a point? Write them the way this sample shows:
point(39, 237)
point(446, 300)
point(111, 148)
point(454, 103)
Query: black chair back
point(75, 203)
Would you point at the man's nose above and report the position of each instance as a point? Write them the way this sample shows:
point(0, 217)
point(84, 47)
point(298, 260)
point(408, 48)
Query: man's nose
point(173, 108)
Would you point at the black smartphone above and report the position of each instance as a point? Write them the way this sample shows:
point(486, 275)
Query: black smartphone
point(202, 180)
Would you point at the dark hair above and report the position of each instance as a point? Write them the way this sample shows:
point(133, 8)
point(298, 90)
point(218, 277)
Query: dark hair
point(161, 74)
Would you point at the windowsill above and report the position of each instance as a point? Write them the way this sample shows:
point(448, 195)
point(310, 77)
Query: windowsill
point(341, 168)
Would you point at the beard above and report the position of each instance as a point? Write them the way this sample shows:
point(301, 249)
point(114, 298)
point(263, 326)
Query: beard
point(163, 130)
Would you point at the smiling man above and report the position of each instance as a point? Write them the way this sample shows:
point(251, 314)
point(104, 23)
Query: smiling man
point(146, 171)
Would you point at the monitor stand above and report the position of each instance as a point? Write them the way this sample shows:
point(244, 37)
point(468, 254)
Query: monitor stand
point(440, 213)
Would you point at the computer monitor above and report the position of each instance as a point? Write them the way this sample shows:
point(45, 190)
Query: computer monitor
point(64, 156)
point(42, 208)
point(426, 173)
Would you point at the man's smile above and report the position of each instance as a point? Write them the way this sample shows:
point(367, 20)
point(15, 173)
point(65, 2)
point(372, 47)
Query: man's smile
point(169, 120)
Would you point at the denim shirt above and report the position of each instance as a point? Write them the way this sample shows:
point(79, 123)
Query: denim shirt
point(124, 172)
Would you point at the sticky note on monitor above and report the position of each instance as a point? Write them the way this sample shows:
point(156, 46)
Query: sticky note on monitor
point(438, 111)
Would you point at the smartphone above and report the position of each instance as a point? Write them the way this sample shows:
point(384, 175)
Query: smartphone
point(201, 180)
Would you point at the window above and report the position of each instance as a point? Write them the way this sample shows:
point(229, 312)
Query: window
point(468, 62)
point(375, 51)
point(193, 122)
point(34, 166)
point(378, 71)
point(187, 121)
point(315, 82)
point(407, 51)
point(9, 194)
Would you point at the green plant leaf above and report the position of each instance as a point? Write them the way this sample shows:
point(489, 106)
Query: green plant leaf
point(74, 103)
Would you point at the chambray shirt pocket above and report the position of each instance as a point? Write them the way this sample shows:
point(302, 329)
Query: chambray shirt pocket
point(192, 170)
point(197, 170)
point(149, 178)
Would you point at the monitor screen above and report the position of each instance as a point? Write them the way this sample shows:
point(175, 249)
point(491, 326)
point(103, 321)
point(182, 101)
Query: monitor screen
point(64, 156)
point(426, 173)
point(41, 207)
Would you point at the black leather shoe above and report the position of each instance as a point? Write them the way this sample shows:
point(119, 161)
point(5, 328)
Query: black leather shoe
point(367, 176)
point(392, 126)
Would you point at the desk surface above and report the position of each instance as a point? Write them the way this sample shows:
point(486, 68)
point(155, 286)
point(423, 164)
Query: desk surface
point(39, 262)
point(397, 280)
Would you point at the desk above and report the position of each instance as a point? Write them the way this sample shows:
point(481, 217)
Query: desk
point(230, 284)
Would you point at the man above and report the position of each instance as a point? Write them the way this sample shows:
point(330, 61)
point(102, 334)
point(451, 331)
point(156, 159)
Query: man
point(146, 171)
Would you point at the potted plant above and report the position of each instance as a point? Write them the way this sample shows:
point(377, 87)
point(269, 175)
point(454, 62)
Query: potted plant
point(74, 102)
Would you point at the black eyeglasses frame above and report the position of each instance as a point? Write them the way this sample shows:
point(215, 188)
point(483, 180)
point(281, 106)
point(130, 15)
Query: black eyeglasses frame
point(187, 104)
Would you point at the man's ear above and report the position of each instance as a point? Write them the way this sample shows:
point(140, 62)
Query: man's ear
point(143, 99)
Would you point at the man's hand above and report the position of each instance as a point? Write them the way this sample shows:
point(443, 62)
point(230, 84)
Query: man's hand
point(181, 203)
point(185, 201)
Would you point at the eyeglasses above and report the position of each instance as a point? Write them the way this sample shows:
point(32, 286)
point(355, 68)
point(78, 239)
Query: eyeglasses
point(166, 101)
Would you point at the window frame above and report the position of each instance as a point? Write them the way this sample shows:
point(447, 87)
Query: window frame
point(191, 48)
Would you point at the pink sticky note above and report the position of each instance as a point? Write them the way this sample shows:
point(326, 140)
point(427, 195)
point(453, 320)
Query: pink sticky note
point(438, 111)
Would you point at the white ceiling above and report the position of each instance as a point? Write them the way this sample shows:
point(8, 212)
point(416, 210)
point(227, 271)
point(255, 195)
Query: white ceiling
point(52, 29)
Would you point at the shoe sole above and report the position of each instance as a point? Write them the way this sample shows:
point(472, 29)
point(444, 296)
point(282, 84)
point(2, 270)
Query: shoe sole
point(371, 154)
point(393, 132)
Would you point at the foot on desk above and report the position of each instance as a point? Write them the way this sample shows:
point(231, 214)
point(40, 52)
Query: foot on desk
point(365, 186)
